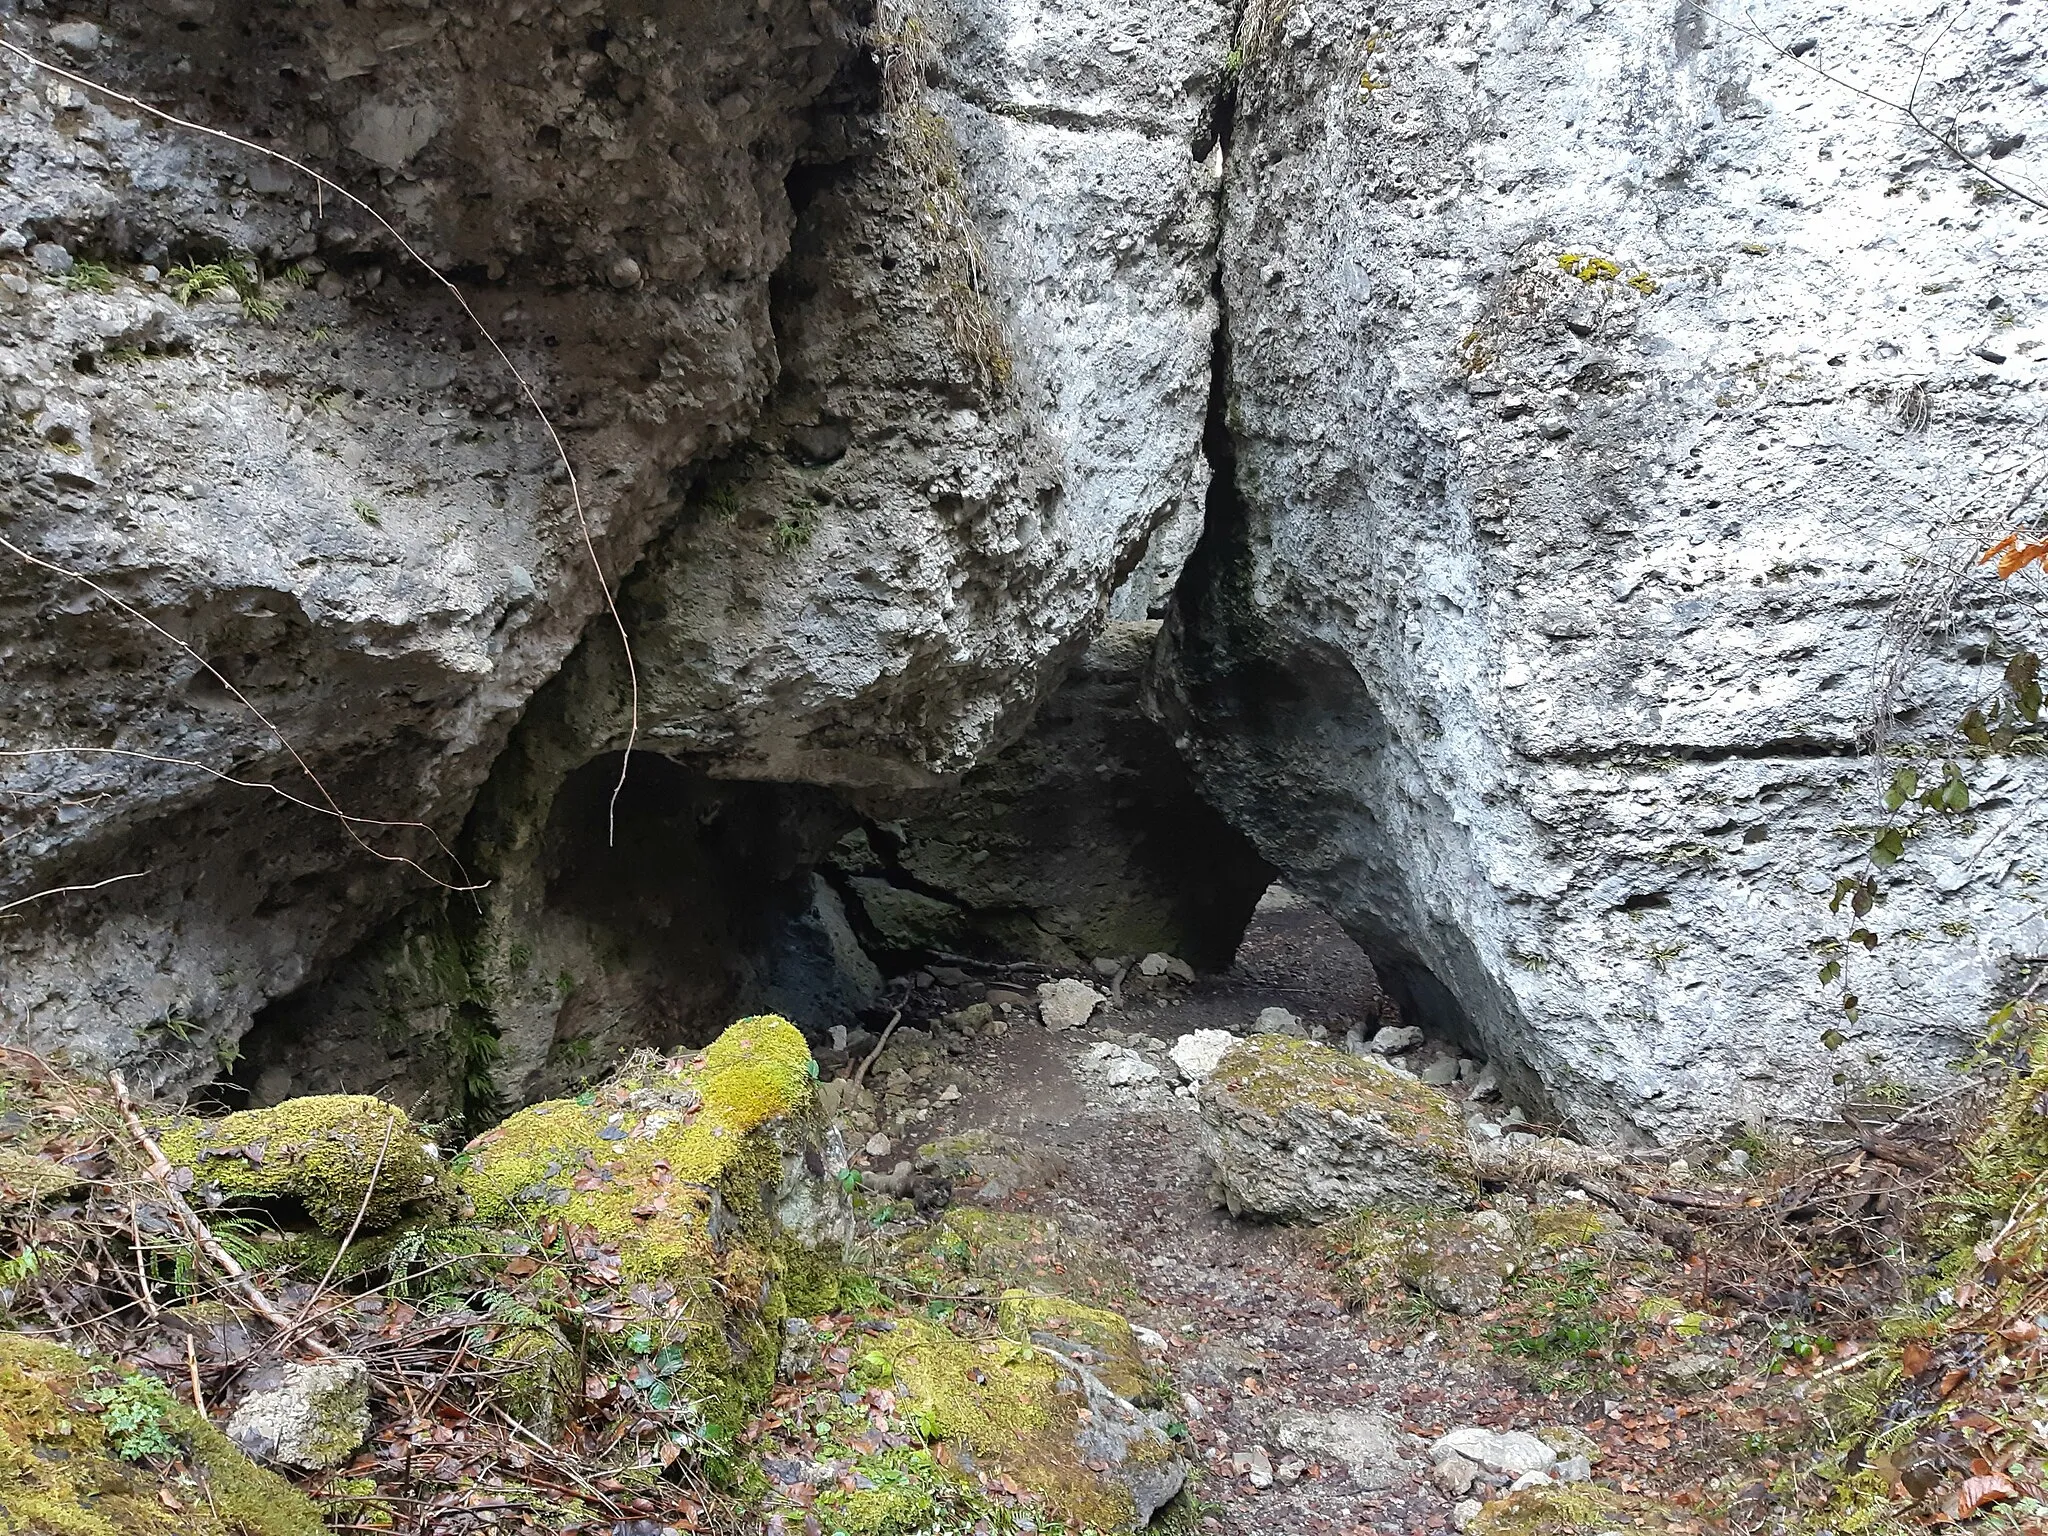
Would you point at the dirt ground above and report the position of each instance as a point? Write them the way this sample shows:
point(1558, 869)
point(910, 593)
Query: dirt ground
point(1254, 1323)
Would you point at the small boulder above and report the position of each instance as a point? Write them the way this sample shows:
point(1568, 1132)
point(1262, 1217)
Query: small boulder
point(81, 39)
point(1694, 1373)
point(315, 1419)
point(1395, 1039)
point(1278, 1021)
point(1118, 1066)
point(1298, 1131)
point(1371, 1446)
point(1462, 1263)
point(1155, 965)
point(1067, 1003)
point(1511, 1453)
point(340, 1156)
point(1198, 1053)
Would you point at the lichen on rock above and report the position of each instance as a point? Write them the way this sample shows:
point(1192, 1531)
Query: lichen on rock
point(340, 1156)
point(1297, 1131)
point(62, 1472)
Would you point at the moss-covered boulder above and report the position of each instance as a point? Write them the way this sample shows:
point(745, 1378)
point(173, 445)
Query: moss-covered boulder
point(979, 1252)
point(716, 1173)
point(1024, 1410)
point(1297, 1131)
point(333, 1155)
point(90, 1453)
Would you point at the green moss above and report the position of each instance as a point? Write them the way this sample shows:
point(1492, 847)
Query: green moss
point(644, 1159)
point(59, 1475)
point(1002, 1398)
point(676, 1162)
point(1574, 1509)
point(321, 1152)
point(24, 1179)
point(1100, 1340)
point(1008, 1249)
point(1560, 1228)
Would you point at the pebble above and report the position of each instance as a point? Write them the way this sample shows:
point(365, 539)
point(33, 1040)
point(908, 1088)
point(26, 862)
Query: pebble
point(1254, 1464)
point(880, 1145)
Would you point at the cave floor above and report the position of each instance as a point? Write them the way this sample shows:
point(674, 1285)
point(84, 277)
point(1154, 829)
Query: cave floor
point(1255, 1322)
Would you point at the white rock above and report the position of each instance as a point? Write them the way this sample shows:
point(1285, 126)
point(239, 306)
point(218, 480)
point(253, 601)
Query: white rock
point(1196, 1054)
point(76, 37)
point(1530, 1480)
point(316, 1418)
point(879, 1145)
point(1118, 1066)
point(1067, 1003)
point(1373, 1447)
point(1464, 1513)
point(1511, 1452)
point(1440, 1074)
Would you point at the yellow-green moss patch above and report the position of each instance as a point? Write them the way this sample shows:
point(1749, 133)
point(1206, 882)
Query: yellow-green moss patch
point(322, 1152)
point(1099, 1340)
point(1002, 1398)
point(643, 1159)
point(60, 1474)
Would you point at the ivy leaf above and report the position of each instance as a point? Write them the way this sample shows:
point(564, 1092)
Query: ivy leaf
point(1864, 937)
point(1905, 785)
point(1851, 1005)
point(1832, 971)
point(1955, 796)
point(1889, 848)
point(1834, 1039)
point(1864, 899)
point(1974, 729)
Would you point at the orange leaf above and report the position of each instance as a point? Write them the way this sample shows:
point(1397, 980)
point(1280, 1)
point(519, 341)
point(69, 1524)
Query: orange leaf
point(1915, 1358)
point(1976, 1492)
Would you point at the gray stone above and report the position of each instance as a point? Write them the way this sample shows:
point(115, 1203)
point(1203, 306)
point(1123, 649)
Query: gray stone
point(1067, 1003)
point(1278, 1021)
point(1694, 1372)
point(1157, 965)
point(1117, 1066)
point(1439, 1074)
point(1297, 1131)
point(81, 38)
point(315, 1419)
point(1396, 1038)
point(1540, 722)
point(51, 258)
point(1197, 1053)
point(1372, 1447)
point(1464, 1512)
point(1512, 1453)
point(1455, 1475)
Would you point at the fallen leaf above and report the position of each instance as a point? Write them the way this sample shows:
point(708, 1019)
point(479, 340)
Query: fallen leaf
point(1976, 1492)
point(1915, 1358)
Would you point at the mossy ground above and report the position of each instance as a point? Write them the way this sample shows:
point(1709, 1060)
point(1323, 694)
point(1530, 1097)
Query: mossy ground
point(60, 1474)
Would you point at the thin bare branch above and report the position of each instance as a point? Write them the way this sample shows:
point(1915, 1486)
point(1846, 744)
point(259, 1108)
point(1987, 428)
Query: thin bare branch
point(1909, 109)
point(282, 793)
point(325, 184)
point(61, 890)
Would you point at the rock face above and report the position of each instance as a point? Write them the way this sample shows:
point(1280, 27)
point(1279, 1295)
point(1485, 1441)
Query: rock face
point(348, 533)
point(1296, 1131)
point(875, 505)
point(1597, 378)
